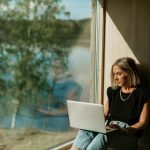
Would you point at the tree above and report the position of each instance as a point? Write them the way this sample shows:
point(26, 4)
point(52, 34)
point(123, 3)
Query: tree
point(31, 9)
point(30, 36)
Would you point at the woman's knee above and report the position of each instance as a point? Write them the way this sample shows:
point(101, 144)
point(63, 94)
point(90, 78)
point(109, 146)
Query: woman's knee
point(73, 148)
point(99, 142)
point(83, 139)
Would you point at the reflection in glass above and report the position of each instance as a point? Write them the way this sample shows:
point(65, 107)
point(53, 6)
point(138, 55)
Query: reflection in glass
point(62, 87)
point(44, 60)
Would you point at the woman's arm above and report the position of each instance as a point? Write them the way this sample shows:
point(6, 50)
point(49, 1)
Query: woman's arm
point(54, 112)
point(106, 109)
point(72, 95)
point(143, 121)
point(60, 111)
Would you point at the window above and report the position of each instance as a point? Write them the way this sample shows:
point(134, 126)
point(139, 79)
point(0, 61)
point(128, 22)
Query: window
point(45, 59)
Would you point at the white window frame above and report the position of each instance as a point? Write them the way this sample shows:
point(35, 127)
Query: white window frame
point(97, 51)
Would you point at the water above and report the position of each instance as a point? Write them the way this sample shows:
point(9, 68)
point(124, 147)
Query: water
point(79, 65)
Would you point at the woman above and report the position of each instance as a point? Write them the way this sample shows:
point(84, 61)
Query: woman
point(62, 87)
point(127, 109)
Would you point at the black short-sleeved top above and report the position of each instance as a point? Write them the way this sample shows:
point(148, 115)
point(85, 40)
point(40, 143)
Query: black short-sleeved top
point(127, 111)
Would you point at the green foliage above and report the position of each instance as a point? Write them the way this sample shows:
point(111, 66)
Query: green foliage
point(39, 33)
point(31, 9)
point(29, 39)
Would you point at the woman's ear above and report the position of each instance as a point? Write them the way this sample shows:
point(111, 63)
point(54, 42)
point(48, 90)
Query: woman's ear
point(126, 74)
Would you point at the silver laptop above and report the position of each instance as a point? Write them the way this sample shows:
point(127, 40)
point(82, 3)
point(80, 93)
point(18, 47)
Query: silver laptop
point(87, 116)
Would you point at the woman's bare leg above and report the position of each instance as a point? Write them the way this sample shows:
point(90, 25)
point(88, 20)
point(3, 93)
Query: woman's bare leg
point(73, 148)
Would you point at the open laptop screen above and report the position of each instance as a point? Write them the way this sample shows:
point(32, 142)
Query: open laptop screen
point(87, 116)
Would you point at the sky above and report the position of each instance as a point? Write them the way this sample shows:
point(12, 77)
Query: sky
point(79, 9)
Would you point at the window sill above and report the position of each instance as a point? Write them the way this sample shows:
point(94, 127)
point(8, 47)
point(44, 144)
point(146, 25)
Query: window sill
point(62, 146)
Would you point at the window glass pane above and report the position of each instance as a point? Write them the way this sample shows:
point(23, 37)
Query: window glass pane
point(44, 60)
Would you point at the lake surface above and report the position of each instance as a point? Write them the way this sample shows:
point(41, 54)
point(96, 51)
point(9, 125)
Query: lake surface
point(79, 65)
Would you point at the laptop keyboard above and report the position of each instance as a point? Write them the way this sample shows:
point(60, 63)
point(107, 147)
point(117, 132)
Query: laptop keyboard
point(108, 128)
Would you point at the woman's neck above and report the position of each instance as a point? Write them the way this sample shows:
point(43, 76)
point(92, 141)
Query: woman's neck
point(126, 89)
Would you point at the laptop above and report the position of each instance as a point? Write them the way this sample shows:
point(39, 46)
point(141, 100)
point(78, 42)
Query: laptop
point(87, 116)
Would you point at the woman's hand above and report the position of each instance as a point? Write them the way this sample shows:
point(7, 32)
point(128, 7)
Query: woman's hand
point(54, 112)
point(42, 110)
point(124, 131)
point(114, 126)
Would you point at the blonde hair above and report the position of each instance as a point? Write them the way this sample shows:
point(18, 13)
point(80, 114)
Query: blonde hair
point(129, 66)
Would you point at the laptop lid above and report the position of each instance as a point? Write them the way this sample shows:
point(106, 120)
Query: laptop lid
point(87, 116)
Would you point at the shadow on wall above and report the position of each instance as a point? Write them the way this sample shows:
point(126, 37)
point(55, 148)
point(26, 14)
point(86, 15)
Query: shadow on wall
point(133, 22)
point(143, 75)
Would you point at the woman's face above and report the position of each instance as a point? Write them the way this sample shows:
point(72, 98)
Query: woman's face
point(57, 67)
point(119, 76)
